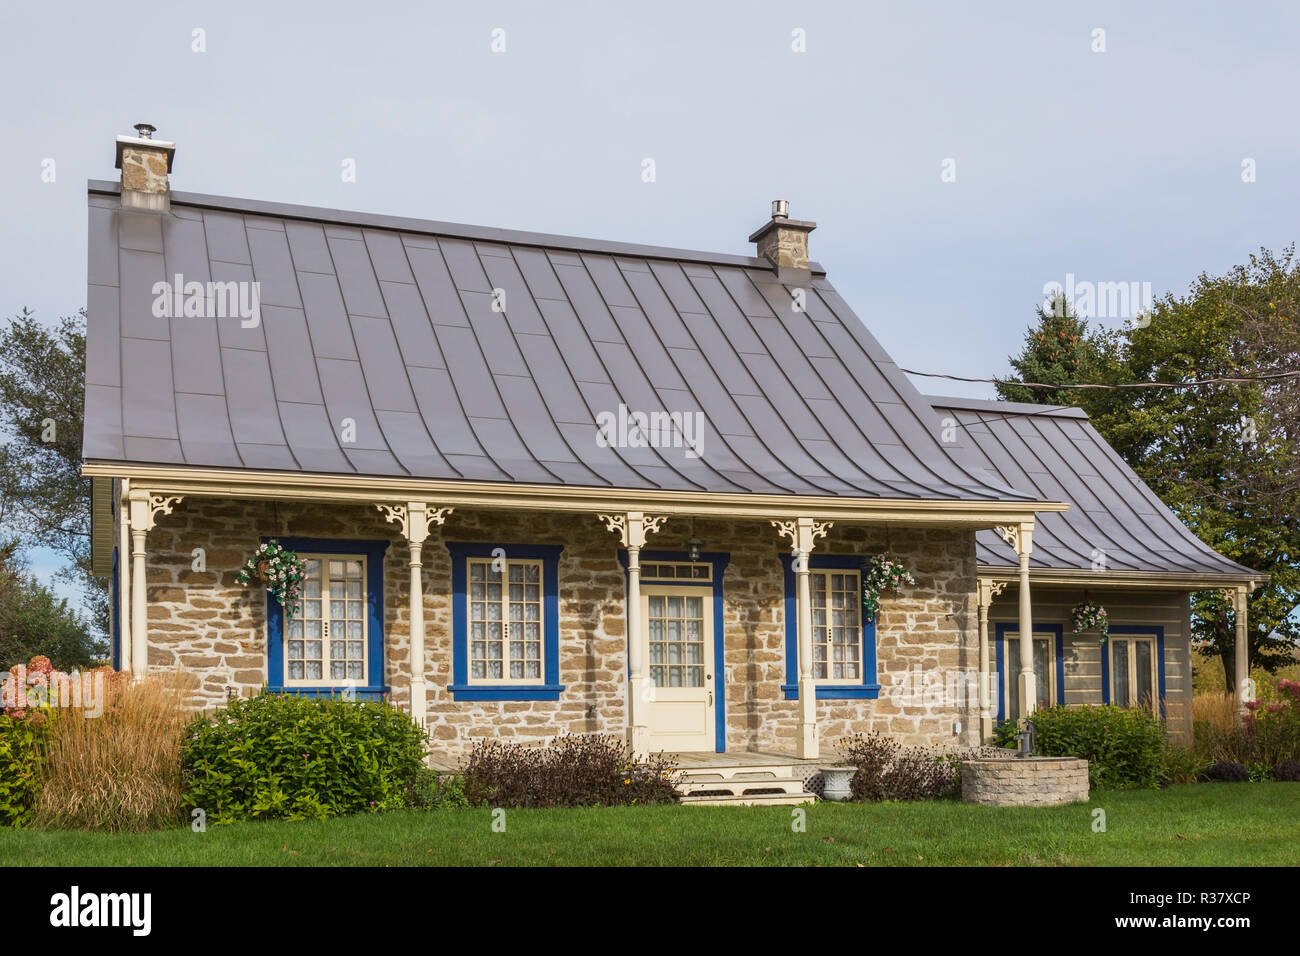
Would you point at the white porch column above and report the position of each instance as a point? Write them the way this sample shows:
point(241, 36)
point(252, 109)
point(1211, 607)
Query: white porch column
point(632, 529)
point(803, 533)
point(415, 519)
point(143, 510)
point(1021, 537)
point(988, 590)
point(1241, 648)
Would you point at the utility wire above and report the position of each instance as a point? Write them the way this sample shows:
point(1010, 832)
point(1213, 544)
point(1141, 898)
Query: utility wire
point(1221, 380)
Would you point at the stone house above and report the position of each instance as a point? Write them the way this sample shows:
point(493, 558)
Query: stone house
point(548, 485)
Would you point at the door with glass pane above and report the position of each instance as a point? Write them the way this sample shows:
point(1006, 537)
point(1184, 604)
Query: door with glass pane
point(1133, 672)
point(1044, 672)
point(327, 639)
point(679, 665)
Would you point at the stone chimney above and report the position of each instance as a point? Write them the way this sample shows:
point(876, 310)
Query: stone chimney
point(784, 241)
point(145, 163)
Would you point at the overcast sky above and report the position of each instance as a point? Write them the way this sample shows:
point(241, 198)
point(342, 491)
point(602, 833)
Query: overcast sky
point(957, 157)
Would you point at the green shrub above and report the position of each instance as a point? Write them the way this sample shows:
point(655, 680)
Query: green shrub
point(1005, 735)
point(282, 756)
point(1181, 765)
point(1125, 749)
point(431, 790)
point(571, 771)
point(19, 779)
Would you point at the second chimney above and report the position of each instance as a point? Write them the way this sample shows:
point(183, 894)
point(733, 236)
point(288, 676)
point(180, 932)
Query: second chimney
point(784, 241)
point(145, 163)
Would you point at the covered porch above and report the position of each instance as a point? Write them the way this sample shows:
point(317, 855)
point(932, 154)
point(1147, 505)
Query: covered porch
point(614, 567)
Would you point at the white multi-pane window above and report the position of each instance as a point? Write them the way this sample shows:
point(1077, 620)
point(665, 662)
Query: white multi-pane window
point(1044, 672)
point(1133, 672)
point(327, 639)
point(836, 625)
point(676, 626)
point(505, 622)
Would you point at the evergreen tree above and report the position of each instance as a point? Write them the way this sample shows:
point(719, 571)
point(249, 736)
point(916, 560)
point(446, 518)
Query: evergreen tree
point(1058, 350)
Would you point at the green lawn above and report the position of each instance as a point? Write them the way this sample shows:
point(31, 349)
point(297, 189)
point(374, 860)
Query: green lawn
point(1209, 824)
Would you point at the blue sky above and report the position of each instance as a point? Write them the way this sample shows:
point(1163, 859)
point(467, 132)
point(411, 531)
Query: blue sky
point(1116, 166)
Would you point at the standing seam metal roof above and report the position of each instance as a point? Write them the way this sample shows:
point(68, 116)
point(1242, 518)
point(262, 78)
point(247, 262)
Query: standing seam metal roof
point(389, 323)
point(1055, 451)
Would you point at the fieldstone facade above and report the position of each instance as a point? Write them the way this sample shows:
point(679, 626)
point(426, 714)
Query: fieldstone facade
point(202, 622)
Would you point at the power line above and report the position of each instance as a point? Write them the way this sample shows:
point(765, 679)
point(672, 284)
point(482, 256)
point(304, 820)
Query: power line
point(1219, 380)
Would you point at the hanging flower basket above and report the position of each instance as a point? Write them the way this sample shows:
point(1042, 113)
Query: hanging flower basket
point(280, 570)
point(1091, 617)
point(882, 573)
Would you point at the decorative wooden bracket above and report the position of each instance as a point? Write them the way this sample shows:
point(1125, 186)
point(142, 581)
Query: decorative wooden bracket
point(162, 504)
point(145, 508)
point(415, 518)
point(632, 527)
point(802, 532)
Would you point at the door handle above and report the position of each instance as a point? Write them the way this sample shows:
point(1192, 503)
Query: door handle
point(710, 698)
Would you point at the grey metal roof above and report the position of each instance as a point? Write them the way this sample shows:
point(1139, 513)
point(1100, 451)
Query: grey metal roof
point(1055, 451)
point(389, 323)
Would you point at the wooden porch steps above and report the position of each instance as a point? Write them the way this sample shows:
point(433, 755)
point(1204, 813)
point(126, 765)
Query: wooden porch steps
point(746, 780)
point(754, 800)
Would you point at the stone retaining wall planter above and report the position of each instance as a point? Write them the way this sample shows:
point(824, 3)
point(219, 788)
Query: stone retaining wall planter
point(1024, 781)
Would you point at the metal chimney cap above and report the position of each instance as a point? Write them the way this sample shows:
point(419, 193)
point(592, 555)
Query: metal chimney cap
point(145, 130)
point(780, 209)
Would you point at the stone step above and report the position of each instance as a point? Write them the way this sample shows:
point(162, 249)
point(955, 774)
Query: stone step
point(753, 800)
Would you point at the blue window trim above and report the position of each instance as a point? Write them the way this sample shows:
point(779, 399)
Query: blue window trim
point(374, 554)
point(1138, 630)
point(869, 689)
point(719, 560)
point(1057, 631)
point(117, 612)
point(461, 688)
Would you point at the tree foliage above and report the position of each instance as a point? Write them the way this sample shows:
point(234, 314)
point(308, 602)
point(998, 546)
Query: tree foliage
point(1059, 349)
point(1223, 457)
point(44, 500)
point(33, 620)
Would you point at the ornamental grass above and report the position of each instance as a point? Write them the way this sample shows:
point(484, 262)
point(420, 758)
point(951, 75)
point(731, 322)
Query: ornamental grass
point(118, 771)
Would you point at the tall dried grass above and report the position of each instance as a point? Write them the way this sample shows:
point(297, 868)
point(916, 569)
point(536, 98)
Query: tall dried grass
point(1216, 711)
point(119, 771)
point(1215, 732)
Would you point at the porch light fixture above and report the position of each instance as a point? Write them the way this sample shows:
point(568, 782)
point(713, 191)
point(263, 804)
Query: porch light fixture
point(693, 546)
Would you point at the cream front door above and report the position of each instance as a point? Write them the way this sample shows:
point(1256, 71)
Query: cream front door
point(679, 656)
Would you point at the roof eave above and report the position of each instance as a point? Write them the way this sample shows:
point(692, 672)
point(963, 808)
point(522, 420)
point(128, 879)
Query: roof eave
point(1178, 580)
point(195, 481)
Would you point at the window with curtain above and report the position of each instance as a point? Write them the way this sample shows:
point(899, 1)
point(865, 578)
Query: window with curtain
point(1044, 672)
point(1133, 672)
